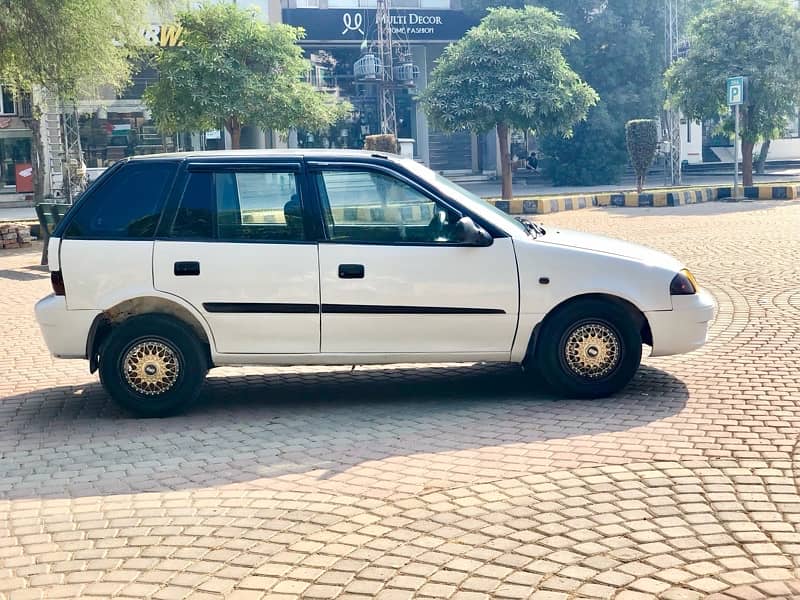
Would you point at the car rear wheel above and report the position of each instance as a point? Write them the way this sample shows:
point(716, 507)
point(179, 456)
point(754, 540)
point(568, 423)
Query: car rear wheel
point(589, 349)
point(152, 365)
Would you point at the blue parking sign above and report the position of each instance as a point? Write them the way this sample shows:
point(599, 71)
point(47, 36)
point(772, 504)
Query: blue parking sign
point(735, 90)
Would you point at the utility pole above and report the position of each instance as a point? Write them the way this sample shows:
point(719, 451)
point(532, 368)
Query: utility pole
point(386, 81)
point(73, 155)
point(674, 19)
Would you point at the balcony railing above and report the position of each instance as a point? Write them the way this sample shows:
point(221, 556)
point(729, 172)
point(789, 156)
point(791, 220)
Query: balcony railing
point(24, 106)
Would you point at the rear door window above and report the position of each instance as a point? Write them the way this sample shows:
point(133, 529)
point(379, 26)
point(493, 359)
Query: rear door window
point(127, 206)
point(240, 206)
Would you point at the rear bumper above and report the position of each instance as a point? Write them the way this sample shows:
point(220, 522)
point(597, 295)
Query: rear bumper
point(64, 331)
point(685, 327)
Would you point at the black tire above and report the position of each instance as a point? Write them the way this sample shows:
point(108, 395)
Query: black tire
point(589, 349)
point(152, 365)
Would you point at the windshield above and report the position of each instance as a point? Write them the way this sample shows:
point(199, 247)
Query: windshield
point(479, 205)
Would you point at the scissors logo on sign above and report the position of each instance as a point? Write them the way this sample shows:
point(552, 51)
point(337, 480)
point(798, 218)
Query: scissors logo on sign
point(352, 23)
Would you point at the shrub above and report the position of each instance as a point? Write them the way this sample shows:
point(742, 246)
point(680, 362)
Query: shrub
point(642, 139)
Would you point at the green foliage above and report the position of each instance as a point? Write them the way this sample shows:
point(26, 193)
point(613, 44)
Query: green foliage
point(508, 72)
point(594, 154)
point(620, 54)
point(759, 39)
point(642, 141)
point(384, 142)
point(509, 69)
point(235, 68)
point(72, 46)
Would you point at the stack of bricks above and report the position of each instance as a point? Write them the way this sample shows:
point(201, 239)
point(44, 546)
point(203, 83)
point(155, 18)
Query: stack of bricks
point(14, 235)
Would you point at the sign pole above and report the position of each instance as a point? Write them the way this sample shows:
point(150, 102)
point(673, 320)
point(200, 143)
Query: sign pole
point(736, 91)
point(736, 154)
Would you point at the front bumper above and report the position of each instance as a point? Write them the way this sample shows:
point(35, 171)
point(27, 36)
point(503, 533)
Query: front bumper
point(685, 327)
point(64, 331)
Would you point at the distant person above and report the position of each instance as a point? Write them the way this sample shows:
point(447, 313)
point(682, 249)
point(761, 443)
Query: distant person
point(532, 163)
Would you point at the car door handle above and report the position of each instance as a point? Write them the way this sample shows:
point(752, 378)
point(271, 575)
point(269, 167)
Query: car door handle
point(186, 268)
point(351, 271)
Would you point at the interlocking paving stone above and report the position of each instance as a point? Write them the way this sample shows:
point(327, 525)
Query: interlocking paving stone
point(443, 481)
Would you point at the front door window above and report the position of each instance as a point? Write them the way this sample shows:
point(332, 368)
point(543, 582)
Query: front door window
point(369, 206)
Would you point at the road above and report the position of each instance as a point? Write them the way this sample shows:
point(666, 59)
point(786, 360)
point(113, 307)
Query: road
point(446, 482)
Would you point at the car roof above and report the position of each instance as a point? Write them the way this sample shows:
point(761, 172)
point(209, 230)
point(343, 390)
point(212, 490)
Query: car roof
point(297, 153)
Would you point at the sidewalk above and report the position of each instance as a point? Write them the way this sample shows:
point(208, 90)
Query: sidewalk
point(17, 214)
point(491, 189)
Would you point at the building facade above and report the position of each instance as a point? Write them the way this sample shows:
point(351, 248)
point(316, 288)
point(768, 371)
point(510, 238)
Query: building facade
point(340, 32)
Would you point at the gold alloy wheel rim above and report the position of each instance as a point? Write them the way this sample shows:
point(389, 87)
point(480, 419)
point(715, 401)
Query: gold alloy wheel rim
point(592, 350)
point(151, 368)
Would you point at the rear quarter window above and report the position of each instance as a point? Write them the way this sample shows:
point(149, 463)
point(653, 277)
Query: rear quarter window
point(127, 205)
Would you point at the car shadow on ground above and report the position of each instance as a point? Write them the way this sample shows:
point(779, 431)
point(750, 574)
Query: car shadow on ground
point(73, 441)
point(22, 274)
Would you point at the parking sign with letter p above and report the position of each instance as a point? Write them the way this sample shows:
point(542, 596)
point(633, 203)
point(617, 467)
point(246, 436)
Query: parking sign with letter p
point(736, 90)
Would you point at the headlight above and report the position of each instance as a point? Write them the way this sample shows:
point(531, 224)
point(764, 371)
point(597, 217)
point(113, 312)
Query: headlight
point(683, 284)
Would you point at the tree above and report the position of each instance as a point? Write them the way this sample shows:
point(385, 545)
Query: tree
point(239, 70)
point(509, 71)
point(759, 39)
point(620, 54)
point(70, 47)
point(642, 140)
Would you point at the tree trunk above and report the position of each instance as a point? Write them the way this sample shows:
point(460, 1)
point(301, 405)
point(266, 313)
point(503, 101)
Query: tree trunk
point(37, 165)
point(761, 163)
point(747, 163)
point(235, 129)
point(505, 161)
point(639, 183)
point(37, 160)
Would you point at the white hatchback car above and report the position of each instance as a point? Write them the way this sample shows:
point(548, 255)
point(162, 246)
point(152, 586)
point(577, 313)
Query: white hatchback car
point(170, 265)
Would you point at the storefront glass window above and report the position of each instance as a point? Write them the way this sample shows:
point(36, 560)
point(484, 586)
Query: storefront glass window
point(332, 71)
point(108, 136)
point(13, 151)
point(6, 102)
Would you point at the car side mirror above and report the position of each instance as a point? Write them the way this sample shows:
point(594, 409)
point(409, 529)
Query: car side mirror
point(469, 233)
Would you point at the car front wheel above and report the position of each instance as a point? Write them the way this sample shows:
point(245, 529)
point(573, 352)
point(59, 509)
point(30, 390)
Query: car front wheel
point(589, 349)
point(153, 365)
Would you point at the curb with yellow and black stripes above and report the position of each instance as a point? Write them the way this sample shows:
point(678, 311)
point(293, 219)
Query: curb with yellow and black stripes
point(654, 198)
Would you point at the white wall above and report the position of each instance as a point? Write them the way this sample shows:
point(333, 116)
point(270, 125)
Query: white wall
point(784, 149)
point(691, 142)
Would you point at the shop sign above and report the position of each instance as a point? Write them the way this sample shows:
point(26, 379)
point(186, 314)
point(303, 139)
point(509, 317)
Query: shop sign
point(414, 25)
point(164, 36)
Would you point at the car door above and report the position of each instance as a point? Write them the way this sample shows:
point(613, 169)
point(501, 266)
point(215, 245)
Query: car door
point(236, 246)
point(393, 280)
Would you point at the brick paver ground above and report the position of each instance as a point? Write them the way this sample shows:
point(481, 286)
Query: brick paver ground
point(460, 482)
